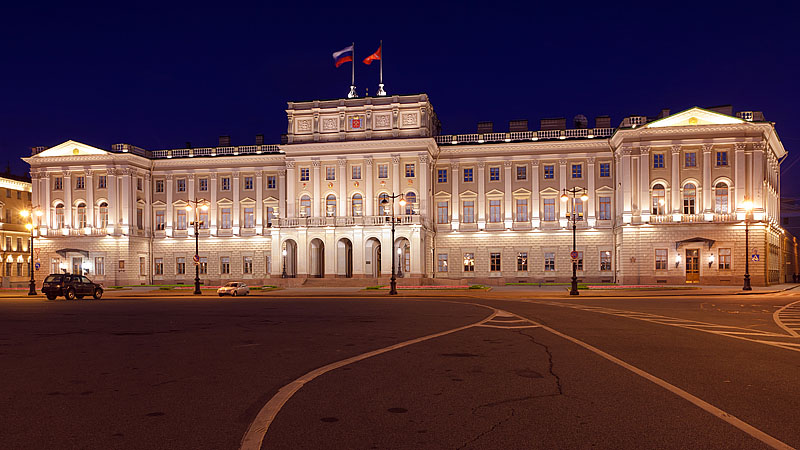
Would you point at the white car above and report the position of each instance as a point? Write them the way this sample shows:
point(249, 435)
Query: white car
point(233, 288)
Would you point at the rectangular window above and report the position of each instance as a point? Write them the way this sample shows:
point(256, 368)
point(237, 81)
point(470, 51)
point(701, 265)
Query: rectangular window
point(522, 210)
point(549, 172)
point(355, 171)
point(579, 262)
point(142, 266)
point(383, 171)
point(203, 219)
point(203, 265)
point(102, 180)
point(247, 265)
point(225, 183)
point(159, 186)
point(469, 262)
point(722, 158)
point(8, 244)
point(225, 265)
point(180, 223)
point(58, 183)
point(180, 265)
point(249, 217)
point(225, 218)
point(494, 262)
point(139, 184)
point(442, 175)
point(99, 266)
point(19, 269)
point(121, 264)
point(271, 182)
point(248, 183)
point(494, 174)
point(181, 185)
point(724, 259)
point(468, 175)
point(19, 244)
point(160, 222)
point(522, 173)
point(409, 170)
point(468, 215)
point(441, 265)
point(604, 212)
point(330, 173)
point(605, 261)
point(305, 174)
point(158, 266)
point(203, 184)
point(549, 210)
point(8, 268)
point(549, 262)
point(80, 183)
point(522, 262)
point(442, 214)
point(661, 259)
point(139, 218)
point(690, 159)
point(494, 211)
point(577, 171)
point(605, 170)
point(658, 160)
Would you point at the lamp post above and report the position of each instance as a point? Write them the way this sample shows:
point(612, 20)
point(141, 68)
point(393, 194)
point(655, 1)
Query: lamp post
point(283, 275)
point(572, 194)
point(29, 226)
point(384, 202)
point(748, 207)
point(199, 204)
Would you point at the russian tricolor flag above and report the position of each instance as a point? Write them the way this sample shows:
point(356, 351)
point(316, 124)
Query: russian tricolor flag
point(342, 56)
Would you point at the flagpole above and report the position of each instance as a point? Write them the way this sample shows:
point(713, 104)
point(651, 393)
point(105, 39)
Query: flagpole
point(352, 93)
point(381, 92)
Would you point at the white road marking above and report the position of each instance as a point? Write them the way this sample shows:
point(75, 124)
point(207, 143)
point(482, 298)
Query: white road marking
point(782, 316)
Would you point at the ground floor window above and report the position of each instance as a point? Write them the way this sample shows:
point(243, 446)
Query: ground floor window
point(441, 265)
point(99, 266)
point(180, 265)
point(142, 266)
point(225, 265)
point(158, 265)
point(579, 262)
point(605, 261)
point(269, 264)
point(469, 262)
point(247, 264)
point(19, 269)
point(549, 262)
point(661, 259)
point(724, 259)
point(203, 265)
point(55, 265)
point(9, 266)
point(522, 261)
point(494, 262)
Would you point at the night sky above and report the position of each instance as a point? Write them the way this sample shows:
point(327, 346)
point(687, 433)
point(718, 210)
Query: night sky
point(157, 76)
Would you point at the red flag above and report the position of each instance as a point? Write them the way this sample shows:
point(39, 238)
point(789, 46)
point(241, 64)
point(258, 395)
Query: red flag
point(373, 57)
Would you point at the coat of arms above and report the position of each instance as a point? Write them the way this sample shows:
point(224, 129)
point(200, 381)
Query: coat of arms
point(355, 122)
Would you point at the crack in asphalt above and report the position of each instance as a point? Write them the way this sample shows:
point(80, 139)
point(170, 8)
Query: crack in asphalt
point(493, 427)
point(549, 358)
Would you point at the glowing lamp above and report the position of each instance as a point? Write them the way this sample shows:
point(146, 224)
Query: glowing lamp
point(747, 205)
point(584, 197)
point(24, 213)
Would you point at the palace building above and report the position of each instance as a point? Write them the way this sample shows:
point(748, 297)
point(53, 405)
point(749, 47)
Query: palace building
point(667, 200)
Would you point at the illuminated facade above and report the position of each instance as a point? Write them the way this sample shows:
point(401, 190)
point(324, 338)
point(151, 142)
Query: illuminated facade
point(665, 201)
point(15, 197)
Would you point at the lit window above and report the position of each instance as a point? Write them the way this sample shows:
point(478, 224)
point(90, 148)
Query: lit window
point(724, 259)
point(469, 262)
point(158, 266)
point(721, 198)
point(203, 265)
point(441, 265)
point(659, 199)
point(247, 264)
point(605, 261)
point(689, 196)
point(661, 259)
point(522, 262)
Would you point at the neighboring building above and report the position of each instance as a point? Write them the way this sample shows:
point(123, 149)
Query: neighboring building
point(15, 196)
point(665, 200)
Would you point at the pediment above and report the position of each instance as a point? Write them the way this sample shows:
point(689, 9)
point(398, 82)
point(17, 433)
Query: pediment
point(468, 193)
point(70, 148)
point(522, 191)
point(549, 191)
point(441, 194)
point(695, 116)
point(495, 192)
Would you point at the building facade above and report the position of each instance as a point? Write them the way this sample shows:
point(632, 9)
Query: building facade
point(15, 197)
point(665, 201)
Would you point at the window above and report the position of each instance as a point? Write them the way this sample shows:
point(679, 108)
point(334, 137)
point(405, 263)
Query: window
point(604, 212)
point(605, 261)
point(442, 175)
point(659, 199)
point(579, 262)
point(442, 213)
point(549, 172)
point(661, 259)
point(605, 170)
point(139, 218)
point(411, 200)
point(180, 223)
point(409, 170)
point(330, 205)
point(522, 210)
point(226, 218)
point(468, 175)
point(203, 184)
point(494, 211)
point(8, 244)
point(690, 159)
point(689, 194)
point(158, 266)
point(139, 183)
point(180, 185)
point(494, 174)
point(225, 265)
point(142, 266)
point(203, 265)
point(722, 158)
point(383, 171)
point(82, 216)
point(355, 171)
point(159, 186)
point(225, 183)
point(59, 216)
point(80, 183)
point(8, 268)
point(19, 269)
point(724, 259)
point(468, 212)
point(305, 206)
point(19, 244)
point(304, 174)
point(271, 213)
point(522, 173)
point(384, 208)
point(271, 182)
point(248, 183)
point(249, 217)
point(469, 262)
point(247, 265)
point(494, 262)
point(99, 266)
point(549, 209)
point(577, 171)
point(522, 262)
point(160, 222)
point(330, 173)
point(58, 183)
point(103, 215)
point(180, 265)
point(578, 209)
point(721, 198)
point(658, 160)
point(357, 205)
point(549, 262)
point(102, 180)
point(203, 219)
point(441, 265)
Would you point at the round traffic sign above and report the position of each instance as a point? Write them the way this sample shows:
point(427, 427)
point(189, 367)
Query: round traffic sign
point(573, 254)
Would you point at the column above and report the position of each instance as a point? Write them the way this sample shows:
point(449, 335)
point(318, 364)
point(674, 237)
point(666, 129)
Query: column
point(509, 215)
point(757, 181)
point(627, 185)
point(90, 208)
point(47, 204)
point(635, 183)
point(562, 185)
point(644, 183)
point(212, 208)
point(456, 199)
point(341, 207)
point(480, 166)
point(424, 174)
point(236, 206)
point(591, 174)
point(396, 181)
point(535, 219)
point(676, 182)
point(707, 206)
point(113, 200)
point(148, 222)
point(291, 183)
point(192, 197)
point(125, 202)
point(369, 193)
point(67, 185)
point(316, 180)
point(739, 182)
point(170, 208)
point(260, 203)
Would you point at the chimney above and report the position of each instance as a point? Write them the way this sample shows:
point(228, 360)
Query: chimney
point(38, 149)
point(516, 126)
point(602, 122)
point(664, 113)
point(259, 139)
point(224, 141)
point(580, 122)
point(188, 145)
point(559, 123)
point(485, 127)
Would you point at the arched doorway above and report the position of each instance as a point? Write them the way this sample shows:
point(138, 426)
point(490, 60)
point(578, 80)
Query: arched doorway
point(402, 255)
point(344, 258)
point(316, 260)
point(372, 257)
point(289, 255)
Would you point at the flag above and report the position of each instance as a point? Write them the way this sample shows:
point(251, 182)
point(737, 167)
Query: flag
point(344, 55)
point(373, 57)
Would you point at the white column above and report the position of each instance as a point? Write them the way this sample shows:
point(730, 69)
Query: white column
point(90, 209)
point(396, 181)
point(291, 183)
point(455, 196)
point(739, 182)
point(67, 185)
point(535, 219)
point(757, 183)
point(627, 186)
point(192, 197)
point(481, 166)
point(509, 215)
point(706, 206)
point(369, 194)
point(113, 199)
point(168, 226)
point(276, 253)
point(316, 180)
point(47, 204)
point(676, 181)
point(634, 183)
point(341, 207)
point(644, 183)
point(212, 208)
point(148, 222)
point(424, 174)
point(591, 174)
point(260, 204)
point(562, 185)
point(236, 206)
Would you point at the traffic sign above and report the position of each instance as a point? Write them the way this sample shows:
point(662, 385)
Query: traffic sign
point(196, 259)
point(573, 254)
point(37, 265)
point(755, 257)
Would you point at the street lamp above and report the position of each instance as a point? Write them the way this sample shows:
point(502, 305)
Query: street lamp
point(384, 202)
point(199, 204)
point(283, 275)
point(568, 194)
point(748, 208)
point(29, 226)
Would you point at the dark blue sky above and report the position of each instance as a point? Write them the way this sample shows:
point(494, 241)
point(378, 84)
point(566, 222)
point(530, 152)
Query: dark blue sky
point(158, 75)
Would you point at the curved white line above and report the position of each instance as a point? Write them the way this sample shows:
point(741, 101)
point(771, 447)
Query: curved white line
point(777, 319)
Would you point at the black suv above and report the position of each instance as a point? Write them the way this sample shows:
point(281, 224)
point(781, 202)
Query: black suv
point(70, 286)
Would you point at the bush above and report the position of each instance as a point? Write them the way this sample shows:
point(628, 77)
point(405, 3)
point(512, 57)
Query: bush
point(373, 288)
point(477, 286)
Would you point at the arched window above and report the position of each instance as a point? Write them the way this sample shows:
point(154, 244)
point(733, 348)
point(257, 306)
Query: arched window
point(659, 199)
point(330, 205)
point(721, 198)
point(384, 208)
point(689, 197)
point(103, 215)
point(305, 206)
point(81, 215)
point(59, 216)
point(358, 203)
point(411, 200)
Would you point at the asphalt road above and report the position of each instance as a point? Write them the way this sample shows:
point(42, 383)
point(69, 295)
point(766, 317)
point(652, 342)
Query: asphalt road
point(186, 373)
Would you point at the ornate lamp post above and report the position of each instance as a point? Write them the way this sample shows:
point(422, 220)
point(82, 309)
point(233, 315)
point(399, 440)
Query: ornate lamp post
point(199, 204)
point(384, 202)
point(572, 194)
point(748, 208)
point(30, 226)
point(283, 252)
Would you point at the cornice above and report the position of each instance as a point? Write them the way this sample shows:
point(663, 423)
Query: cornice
point(527, 147)
point(219, 161)
point(366, 146)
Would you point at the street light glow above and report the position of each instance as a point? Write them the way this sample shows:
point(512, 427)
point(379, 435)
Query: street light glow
point(24, 213)
point(747, 205)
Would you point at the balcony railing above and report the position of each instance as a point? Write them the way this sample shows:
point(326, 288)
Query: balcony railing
point(347, 221)
point(215, 151)
point(475, 138)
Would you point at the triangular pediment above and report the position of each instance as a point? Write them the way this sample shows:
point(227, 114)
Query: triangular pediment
point(70, 148)
point(695, 116)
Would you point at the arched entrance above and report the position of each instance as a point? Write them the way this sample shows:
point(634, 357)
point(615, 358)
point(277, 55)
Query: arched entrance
point(316, 260)
point(402, 255)
point(289, 255)
point(344, 258)
point(372, 258)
